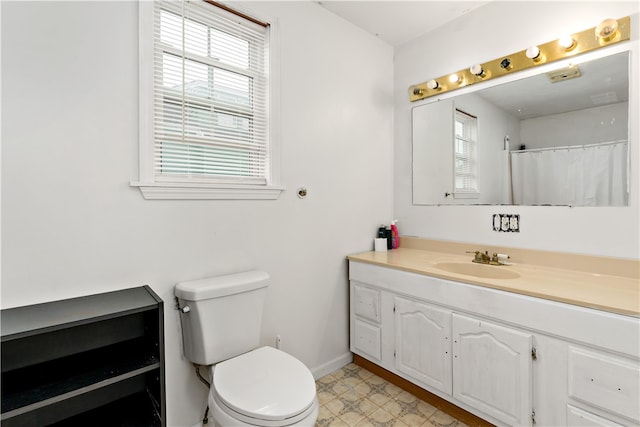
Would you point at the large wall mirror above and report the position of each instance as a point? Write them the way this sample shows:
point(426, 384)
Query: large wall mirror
point(556, 138)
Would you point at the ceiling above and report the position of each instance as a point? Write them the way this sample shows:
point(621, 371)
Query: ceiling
point(397, 22)
point(602, 81)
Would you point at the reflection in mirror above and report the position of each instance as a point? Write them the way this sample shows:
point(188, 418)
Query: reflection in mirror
point(556, 138)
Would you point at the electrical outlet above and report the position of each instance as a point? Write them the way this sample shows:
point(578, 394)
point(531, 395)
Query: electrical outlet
point(506, 223)
point(278, 340)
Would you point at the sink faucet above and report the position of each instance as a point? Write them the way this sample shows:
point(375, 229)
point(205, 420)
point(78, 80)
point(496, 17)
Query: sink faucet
point(484, 258)
point(481, 258)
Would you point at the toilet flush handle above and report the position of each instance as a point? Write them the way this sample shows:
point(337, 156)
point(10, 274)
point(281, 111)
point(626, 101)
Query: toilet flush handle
point(184, 309)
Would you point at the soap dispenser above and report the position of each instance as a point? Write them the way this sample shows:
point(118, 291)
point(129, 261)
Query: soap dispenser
point(395, 237)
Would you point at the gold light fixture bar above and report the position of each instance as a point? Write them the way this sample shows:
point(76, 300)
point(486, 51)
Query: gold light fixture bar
point(605, 34)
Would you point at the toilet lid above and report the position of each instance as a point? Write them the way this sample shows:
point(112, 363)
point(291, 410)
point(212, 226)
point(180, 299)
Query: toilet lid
point(266, 384)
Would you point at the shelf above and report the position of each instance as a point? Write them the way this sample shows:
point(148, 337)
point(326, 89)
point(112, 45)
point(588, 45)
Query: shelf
point(40, 318)
point(51, 388)
point(140, 407)
point(93, 353)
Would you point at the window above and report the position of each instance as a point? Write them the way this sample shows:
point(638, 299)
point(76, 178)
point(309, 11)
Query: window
point(206, 130)
point(465, 157)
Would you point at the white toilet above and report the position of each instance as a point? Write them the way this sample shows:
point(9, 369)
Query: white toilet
point(221, 319)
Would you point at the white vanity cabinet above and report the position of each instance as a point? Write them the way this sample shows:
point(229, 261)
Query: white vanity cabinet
point(508, 358)
point(602, 382)
point(492, 369)
point(365, 321)
point(423, 342)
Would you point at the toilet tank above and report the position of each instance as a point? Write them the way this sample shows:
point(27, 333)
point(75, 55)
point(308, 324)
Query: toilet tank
point(221, 316)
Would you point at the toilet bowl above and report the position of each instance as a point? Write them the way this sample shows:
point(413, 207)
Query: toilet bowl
point(250, 385)
point(264, 387)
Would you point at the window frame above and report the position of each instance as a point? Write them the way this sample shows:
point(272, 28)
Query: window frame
point(165, 187)
point(470, 137)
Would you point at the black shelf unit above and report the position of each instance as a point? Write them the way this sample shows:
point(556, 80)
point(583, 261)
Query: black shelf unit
point(95, 360)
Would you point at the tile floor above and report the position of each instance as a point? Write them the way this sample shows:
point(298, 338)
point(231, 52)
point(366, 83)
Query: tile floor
point(353, 396)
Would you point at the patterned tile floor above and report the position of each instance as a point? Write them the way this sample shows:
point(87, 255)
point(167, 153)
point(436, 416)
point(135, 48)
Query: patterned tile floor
point(354, 397)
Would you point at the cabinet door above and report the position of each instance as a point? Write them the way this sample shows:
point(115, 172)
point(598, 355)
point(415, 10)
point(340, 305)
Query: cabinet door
point(492, 369)
point(366, 303)
point(366, 339)
point(423, 342)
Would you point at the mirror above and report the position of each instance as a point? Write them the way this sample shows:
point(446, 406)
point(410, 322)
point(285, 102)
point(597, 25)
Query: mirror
point(554, 138)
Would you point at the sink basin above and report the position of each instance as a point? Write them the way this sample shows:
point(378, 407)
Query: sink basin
point(478, 270)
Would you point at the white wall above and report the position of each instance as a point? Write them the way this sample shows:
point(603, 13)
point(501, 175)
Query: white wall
point(72, 225)
point(588, 126)
point(486, 33)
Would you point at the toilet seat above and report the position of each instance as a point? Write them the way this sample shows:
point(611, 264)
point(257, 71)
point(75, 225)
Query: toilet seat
point(266, 387)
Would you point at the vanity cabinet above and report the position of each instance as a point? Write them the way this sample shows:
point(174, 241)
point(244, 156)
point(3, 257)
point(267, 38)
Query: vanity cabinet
point(365, 327)
point(423, 342)
point(96, 360)
point(492, 368)
point(604, 382)
point(508, 358)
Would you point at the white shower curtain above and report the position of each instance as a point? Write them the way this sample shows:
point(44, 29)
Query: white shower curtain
point(589, 175)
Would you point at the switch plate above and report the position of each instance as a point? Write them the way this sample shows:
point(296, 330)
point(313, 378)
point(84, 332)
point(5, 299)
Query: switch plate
point(506, 223)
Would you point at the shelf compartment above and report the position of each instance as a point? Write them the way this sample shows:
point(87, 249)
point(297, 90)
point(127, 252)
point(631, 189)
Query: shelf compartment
point(78, 402)
point(139, 407)
point(31, 350)
point(46, 383)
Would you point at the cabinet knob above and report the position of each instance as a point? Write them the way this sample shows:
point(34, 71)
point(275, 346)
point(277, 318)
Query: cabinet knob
point(185, 309)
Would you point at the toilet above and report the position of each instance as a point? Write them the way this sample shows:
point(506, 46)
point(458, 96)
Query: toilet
point(250, 385)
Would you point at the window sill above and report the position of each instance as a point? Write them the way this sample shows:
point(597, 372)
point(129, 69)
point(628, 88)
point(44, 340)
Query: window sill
point(466, 195)
point(183, 191)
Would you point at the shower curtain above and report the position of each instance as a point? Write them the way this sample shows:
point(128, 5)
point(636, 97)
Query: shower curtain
point(586, 175)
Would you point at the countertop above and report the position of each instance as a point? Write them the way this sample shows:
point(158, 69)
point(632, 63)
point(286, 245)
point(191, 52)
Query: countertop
point(607, 292)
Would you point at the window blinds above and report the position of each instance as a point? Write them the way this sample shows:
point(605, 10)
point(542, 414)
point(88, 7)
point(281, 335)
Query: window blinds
point(465, 153)
point(210, 95)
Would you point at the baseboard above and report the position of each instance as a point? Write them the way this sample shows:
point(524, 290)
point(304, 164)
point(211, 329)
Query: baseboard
point(436, 401)
point(332, 365)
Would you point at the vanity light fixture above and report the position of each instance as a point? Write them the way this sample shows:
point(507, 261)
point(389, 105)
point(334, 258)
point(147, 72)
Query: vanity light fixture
point(433, 84)
point(567, 42)
point(533, 53)
point(608, 32)
point(477, 70)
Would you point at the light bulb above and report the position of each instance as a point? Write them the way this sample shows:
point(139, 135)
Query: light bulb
point(454, 78)
point(566, 42)
point(476, 70)
point(432, 84)
point(607, 29)
point(533, 52)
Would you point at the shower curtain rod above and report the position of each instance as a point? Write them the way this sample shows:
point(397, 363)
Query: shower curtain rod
point(571, 147)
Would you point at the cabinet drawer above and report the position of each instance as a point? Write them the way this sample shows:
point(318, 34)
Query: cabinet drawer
point(605, 381)
point(367, 338)
point(366, 303)
point(577, 417)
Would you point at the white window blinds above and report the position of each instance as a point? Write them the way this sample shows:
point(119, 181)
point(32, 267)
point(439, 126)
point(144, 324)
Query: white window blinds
point(210, 95)
point(466, 174)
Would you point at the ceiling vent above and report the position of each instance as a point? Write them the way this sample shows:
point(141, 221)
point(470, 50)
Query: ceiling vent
point(564, 74)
